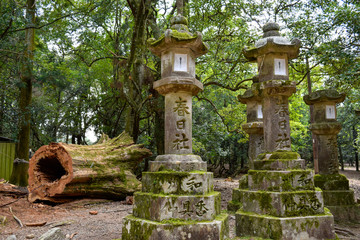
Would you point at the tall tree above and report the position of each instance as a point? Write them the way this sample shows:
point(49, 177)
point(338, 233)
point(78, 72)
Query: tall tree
point(135, 70)
point(19, 175)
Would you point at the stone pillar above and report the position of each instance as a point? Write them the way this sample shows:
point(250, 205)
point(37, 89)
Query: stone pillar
point(177, 199)
point(325, 128)
point(276, 115)
point(277, 198)
point(338, 197)
point(254, 125)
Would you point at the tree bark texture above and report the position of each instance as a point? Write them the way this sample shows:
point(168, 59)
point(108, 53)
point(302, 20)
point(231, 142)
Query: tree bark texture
point(314, 142)
point(59, 171)
point(355, 149)
point(341, 157)
point(19, 175)
point(133, 80)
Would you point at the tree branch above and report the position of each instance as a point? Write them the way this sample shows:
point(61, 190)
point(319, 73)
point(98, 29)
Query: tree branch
point(55, 20)
point(8, 27)
point(237, 86)
point(132, 6)
point(217, 112)
point(307, 72)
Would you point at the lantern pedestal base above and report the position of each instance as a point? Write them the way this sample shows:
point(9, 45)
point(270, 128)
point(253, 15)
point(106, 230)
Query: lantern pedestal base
point(345, 213)
point(269, 227)
point(338, 197)
point(177, 202)
point(278, 200)
point(141, 229)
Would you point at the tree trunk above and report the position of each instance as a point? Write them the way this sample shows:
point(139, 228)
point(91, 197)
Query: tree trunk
point(160, 125)
point(58, 171)
point(133, 79)
point(19, 175)
point(158, 100)
point(341, 157)
point(314, 142)
point(2, 109)
point(355, 149)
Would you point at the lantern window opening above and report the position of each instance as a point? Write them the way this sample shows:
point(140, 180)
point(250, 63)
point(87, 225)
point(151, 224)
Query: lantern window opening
point(180, 62)
point(280, 67)
point(330, 112)
point(259, 111)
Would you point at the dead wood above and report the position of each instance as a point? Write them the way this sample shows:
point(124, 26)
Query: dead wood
point(16, 218)
point(60, 171)
point(38, 224)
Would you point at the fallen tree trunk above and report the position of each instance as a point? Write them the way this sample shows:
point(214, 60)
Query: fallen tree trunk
point(59, 171)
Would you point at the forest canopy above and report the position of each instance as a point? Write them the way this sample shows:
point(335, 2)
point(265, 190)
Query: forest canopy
point(69, 68)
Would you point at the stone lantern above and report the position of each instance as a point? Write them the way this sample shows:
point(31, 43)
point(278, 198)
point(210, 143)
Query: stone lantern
point(278, 197)
point(272, 53)
point(178, 50)
point(338, 197)
point(325, 129)
point(254, 125)
point(177, 199)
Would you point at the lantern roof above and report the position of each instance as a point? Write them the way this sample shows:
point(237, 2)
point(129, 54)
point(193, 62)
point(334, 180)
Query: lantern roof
point(273, 42)
point(328, 95)
point(178, 36)
point(249, 95)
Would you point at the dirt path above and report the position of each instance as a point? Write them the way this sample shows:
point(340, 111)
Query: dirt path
point(75, 219)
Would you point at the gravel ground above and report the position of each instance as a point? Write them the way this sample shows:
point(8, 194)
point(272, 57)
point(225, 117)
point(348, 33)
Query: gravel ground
point(76, 222)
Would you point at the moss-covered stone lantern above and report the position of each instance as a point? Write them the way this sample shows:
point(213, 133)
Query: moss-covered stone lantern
point(272, 53)
point(325, 129)
point(177, 199)
point(338, 197)
point(277, 198)
point(178, 49)
point(254, 125)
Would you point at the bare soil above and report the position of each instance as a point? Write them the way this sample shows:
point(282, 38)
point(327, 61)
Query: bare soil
point(76, 222)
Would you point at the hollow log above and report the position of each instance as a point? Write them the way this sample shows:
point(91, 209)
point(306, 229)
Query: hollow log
point(59, 171)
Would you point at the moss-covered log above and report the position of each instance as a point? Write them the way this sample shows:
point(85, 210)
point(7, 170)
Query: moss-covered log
point(59, 171)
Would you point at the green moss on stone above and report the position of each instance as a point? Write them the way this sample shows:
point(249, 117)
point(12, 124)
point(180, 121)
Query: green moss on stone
point(331, 182)
point(243, 182)
point(323, 177)
point(338, 197)
point(309, 224)
point(147, 203)
point(138, 230)
point(265, 201)
point(233, 206)
point(308, 203)
point(285, 180)
point(154, 181)
point(180, 36)
point(279, 155)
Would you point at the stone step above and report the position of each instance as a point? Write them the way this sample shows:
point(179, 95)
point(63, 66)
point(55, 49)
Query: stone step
point(339, 197)
point(282, 204)
point(348, 213)
point(178, 162)
point(331, 182)
point(159, 207)
point(306, 227)
point(233, 206)
point(168, 182)
point(237, 194)
point(279, 164)
point(141, 229)
point(291, 180)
